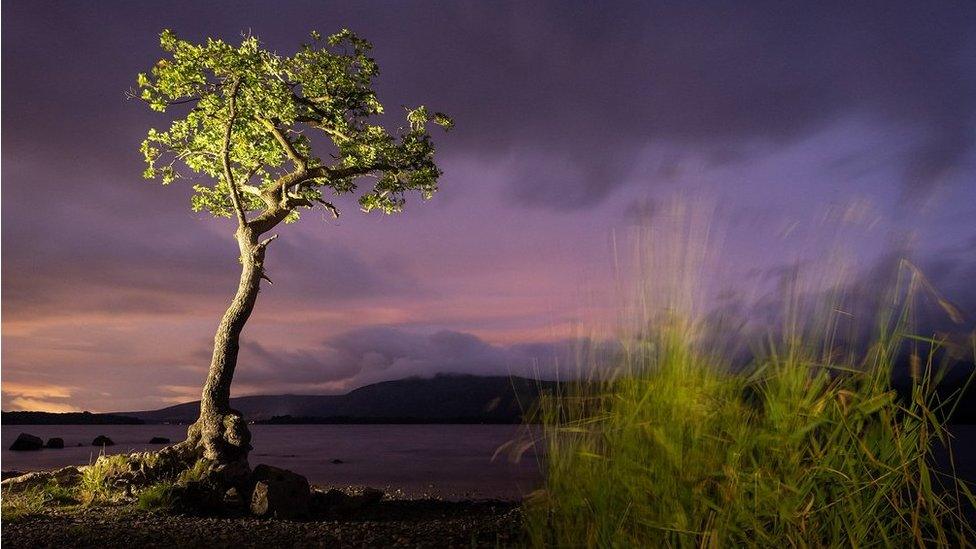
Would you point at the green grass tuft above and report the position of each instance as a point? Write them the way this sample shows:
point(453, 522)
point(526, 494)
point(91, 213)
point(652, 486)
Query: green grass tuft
point(199, 472)
point(679, 449)
point(669, 441)
point(96, 479)
point(34, 500)
point(158, 497)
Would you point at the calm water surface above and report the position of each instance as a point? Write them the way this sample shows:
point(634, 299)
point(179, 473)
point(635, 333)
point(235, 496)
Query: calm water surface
point(451, 461)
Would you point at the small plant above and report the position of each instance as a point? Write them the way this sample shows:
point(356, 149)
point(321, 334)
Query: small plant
point(158, 497)
point(96, 479)
point(196, 473)
point(23, 504)
point(34, 500)
point(683, 453)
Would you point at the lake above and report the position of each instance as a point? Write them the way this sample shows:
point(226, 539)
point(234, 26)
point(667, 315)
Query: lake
point(448, 461)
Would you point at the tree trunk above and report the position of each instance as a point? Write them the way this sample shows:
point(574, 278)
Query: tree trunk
point(221, 434)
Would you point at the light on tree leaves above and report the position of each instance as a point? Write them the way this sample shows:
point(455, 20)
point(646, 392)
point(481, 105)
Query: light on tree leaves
point(279, 102)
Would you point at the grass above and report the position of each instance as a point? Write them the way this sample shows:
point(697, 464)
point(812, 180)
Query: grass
point(676, 443)
point(196, 473)
point(679, 451)
point(94, 486)
point(97, 486)
point(96, 479)
point(34, 500)
point(161, 497)
point(158, 497)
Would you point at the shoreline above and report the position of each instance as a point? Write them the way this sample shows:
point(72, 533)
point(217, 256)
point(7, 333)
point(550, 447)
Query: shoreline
point(392, 522)
point(457, 462)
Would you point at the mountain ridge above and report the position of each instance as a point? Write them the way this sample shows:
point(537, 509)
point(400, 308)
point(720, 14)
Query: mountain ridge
point(443, 398)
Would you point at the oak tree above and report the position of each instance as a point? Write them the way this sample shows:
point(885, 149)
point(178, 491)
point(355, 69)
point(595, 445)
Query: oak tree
point(263, 137)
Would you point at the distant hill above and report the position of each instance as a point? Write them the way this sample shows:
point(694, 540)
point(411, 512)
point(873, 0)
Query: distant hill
point(69, 418)
point(440, 399)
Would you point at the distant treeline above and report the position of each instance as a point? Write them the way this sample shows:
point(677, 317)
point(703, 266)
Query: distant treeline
point(69, 418)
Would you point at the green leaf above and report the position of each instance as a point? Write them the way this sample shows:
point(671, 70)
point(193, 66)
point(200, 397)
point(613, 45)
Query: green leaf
point(325, 88)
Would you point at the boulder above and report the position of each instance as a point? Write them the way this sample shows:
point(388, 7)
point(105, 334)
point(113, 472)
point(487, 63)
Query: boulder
point(67, 476)
point(55, 442)
point(26, 442)
point(337, 462)
point(279, 493)
point(102, 440)
point(159, 440)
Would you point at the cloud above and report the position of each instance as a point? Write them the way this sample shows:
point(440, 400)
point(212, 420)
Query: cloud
point(565, 115)
point(37, 405)
point(568, 96)
point(177, 272)
point(369, 355)
point(37, 396)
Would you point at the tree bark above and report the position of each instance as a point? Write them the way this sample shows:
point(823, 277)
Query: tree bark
point(221, 434)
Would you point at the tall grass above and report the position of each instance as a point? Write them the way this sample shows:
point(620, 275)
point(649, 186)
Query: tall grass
point(807, 446)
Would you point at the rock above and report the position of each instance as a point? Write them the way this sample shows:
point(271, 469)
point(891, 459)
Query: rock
point(236, 474)
point(232, 498)
point(9, 474)
point(26, 442)
point(102, 440)
point(279, 493)
point(25, 482)
point(56, 443)
point(337, 462)
point(159, 440)
point(66, 476)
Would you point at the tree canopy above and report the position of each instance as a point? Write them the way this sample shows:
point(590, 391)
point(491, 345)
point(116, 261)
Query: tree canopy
point(248, 136)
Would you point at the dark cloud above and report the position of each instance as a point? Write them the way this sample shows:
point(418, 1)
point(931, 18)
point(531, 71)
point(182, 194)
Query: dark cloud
point(569, 94)
point(559, 106)
point(933, 288)
point(373, 354)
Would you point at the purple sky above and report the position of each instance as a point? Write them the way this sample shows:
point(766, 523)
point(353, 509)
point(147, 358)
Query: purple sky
point(802, 126)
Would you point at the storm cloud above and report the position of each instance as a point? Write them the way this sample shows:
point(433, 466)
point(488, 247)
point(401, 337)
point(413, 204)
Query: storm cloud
point(377, 353)
point(575, 123)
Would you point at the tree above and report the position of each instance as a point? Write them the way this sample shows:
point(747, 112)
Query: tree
point(250, 118)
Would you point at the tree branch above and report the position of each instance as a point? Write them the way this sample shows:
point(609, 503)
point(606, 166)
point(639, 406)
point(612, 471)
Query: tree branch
point(264, 243)
point(278, 210)
point(300, 161)
point(331, 172)
point(235, 197)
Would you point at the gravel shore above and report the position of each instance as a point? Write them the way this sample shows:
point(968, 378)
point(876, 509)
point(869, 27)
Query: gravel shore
point(398, 523)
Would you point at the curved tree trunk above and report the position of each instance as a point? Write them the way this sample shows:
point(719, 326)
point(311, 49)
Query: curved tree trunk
point(221, 434)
